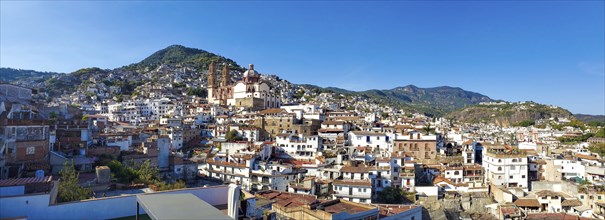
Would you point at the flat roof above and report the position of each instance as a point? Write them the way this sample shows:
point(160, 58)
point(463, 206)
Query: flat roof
point(178, 206)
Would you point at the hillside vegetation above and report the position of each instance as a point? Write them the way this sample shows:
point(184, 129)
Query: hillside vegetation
point(161, 67)
point(182, 56)
point(508, 114)
point(10, 74)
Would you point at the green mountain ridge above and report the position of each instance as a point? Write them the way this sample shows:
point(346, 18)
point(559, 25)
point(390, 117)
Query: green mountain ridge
point(507, 114)
point(182, 56)
point(11, 74)
point(453, 102)
point(433, 101)
point(590, 118)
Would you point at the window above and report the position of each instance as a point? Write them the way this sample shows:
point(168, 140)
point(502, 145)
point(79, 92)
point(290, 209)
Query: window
point(359, 190)
point(522, 176)
point(362, 200)
point(30, 150)
point(510, 177)
point(499, 168)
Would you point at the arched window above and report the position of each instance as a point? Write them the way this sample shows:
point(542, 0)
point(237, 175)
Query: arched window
point(456, 172)
point(499, 168)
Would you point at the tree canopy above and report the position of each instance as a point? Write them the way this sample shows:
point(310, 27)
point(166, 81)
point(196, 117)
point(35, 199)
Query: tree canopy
point(232, 136)
point(69, 189)
point(390, 195)
point(598, 148)
point(600, 133)
point(142, 173)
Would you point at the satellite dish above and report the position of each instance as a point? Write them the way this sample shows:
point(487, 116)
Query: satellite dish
point(39, 173)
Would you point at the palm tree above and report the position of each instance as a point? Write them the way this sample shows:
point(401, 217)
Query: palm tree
point(427, 128)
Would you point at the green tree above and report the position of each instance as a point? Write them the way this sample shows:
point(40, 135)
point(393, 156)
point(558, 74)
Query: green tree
point(69, 190)
point(125, 175)
point(119, 98)
point(600, 133)
point(146, 173)
point(199, 92)
point(598, 148)
point(179, 85)
point(53, 117)
point(570, 140)
point(384, 115)
point(427, 129)
point(525, 123)
point(89, 94)
point(232, 136)
point(390, 195)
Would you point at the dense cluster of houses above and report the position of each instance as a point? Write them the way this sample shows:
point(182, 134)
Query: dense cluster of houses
point(306, 160)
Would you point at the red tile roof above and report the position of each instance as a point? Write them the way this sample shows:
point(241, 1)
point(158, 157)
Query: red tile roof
point(285, 199)
point(25, 181)
point(554, 216)
point(345, 206)
point(527, 203)
point(389, 210)
point(366, 183)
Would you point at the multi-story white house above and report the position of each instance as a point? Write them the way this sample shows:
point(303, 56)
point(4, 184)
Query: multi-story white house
point(298, 146)
point(454, 173)
point(381, 174)
point(569, 168)
point(372, 139)
point(232, 169)
point(505, 166)
point(355, 185)
point(309, 111)
point(273, 175)
point(333, 134)
point(140, 110)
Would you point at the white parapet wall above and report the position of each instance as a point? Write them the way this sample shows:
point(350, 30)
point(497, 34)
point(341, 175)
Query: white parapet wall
point(37, 206)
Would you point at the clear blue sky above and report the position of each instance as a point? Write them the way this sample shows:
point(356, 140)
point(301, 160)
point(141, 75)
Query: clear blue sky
point(549, 52)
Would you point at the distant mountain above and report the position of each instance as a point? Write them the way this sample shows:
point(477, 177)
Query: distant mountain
point(590, 118)
point(506, 114)
point(436, 101)
point(10, 74)
point(190, 65)
point(178, 55)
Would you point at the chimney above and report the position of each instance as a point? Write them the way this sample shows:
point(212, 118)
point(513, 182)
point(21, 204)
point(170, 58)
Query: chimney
point(233, 201)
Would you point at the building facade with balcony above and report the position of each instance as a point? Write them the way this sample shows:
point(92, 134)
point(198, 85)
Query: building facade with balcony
point(506, 166)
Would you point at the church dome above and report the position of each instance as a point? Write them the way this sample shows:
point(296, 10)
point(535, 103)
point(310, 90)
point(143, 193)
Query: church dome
point(250, 72)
